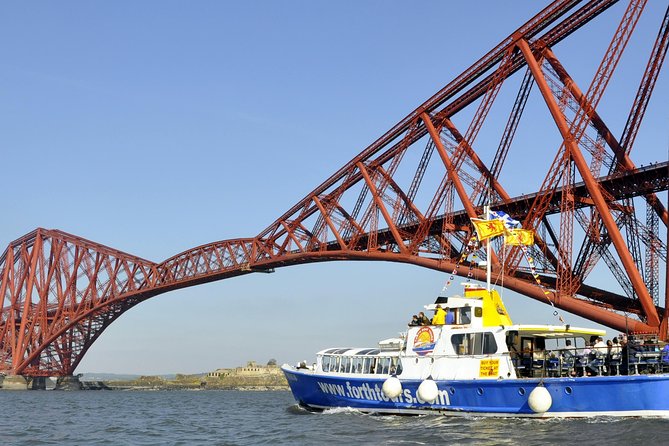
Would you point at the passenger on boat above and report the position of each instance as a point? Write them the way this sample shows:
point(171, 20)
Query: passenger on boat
point(664, 356)
point(600, 346)
point(630, 352)
point(439, 316)
point(372, 366)
point(584, 359)
point(607, 360)
point(414, 321)
point(450, 317)
point(568, 351)
point(568, 358)
point(624, 354)
point(422, 319)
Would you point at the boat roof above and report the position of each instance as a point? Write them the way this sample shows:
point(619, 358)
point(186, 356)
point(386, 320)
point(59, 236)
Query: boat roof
point(557, 331)
point(365, 351)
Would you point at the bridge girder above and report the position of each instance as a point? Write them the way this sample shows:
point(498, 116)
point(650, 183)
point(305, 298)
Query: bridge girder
point(60, 291)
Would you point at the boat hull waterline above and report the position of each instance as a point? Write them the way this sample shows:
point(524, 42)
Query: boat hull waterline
point(569, 397)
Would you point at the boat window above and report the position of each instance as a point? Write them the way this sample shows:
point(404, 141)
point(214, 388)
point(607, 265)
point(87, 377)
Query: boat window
point(474, 343)
point(383, 365)
point(330, 350)
point(357, 365)
point(325, 363)
point(395, 366)
point(489, 344)
point(465, 315)
point(332, 366)
point(345, 364)
point(365, 365)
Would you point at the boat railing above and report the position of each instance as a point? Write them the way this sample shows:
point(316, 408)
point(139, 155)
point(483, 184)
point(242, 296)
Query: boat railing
point(631, 360)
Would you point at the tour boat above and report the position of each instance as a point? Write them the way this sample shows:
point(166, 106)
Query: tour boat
point(484, 364)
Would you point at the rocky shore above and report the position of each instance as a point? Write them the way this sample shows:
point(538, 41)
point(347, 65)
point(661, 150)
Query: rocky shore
point(260, 382)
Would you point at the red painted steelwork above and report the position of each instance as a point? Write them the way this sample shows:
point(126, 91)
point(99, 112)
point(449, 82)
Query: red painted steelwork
point(60, 292)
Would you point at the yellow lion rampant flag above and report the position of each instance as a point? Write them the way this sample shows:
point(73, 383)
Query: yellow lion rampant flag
point(518, 237)
point(486, 229)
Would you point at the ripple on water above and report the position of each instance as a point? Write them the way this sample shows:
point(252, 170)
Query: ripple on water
point(249, 418)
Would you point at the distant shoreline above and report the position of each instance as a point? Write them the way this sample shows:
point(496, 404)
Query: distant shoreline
point(262, 380)
point(126, 388)
point(251, 377)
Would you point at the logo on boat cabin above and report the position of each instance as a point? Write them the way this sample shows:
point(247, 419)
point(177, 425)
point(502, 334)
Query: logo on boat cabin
point(423, 343)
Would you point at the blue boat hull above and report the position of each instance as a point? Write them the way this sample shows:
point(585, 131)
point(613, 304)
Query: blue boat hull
point(638, 395)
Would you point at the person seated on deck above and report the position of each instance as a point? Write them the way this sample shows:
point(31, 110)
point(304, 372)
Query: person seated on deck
point(609, 356)
point(615, 357)
point(664, 353)
point(568, 351)
point(624, 355)
point(583, 359)
point(422, 319)
point(600, 347)
point(664, 358)
point(439, 316)
point(597, 356)
point(414, 321)
point(569, 358)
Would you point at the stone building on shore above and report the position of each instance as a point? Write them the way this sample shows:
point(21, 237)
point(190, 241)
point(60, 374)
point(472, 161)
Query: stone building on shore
point(250, 375)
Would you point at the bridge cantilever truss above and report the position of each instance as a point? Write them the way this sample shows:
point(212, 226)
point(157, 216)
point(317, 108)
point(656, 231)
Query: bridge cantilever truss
point(408, 197)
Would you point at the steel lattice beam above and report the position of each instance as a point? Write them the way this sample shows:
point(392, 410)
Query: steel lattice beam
point(60, 292)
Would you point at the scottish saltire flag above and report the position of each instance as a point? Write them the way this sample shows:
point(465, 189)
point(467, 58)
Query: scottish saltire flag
point(509, 222)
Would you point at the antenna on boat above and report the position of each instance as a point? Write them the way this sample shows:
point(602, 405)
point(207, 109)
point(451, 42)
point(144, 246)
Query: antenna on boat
point(487, 247)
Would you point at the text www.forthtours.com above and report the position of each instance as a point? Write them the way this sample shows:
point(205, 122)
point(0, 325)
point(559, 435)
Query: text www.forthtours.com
point(366, 392)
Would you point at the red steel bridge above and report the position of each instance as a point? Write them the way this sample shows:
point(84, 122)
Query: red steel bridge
point(408, 197)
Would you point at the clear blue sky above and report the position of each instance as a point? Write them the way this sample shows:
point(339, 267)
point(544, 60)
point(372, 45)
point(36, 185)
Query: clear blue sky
point(156, 126)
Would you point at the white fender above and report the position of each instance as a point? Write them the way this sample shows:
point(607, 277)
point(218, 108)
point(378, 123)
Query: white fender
point(428, 391)
point(540, 399)
point(392, 387)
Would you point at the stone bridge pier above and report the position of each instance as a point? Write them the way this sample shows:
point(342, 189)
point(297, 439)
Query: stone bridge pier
point(13, 382)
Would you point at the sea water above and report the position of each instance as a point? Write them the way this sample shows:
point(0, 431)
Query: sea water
point(211, 417)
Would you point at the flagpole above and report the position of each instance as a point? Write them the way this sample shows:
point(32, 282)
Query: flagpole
point(487, 250)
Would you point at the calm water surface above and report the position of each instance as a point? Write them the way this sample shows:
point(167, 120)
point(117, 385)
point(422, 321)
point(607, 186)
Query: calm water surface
point(249, 418)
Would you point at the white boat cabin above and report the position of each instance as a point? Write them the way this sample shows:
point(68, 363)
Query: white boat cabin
point(481, 343)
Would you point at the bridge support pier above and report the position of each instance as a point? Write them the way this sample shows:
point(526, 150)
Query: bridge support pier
point(38, 383)
point(14, 382)
point(68, 382)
